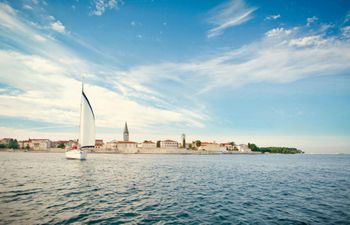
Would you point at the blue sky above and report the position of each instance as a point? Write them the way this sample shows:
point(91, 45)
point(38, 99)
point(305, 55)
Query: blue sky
point(269, 72)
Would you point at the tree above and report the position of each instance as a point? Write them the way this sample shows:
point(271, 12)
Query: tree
point(158, 144)
point(253, 147)
point(61, 146)
point(13, 144)
point(2, 146)
point(27, 147)
point(198, 143)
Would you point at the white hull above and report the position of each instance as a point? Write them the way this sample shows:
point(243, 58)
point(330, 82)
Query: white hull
point(76, 154)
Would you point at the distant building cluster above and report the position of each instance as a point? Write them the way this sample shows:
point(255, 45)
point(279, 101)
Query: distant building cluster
point(127, 146)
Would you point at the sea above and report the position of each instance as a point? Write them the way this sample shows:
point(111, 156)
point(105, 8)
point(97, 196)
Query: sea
point(46, 188)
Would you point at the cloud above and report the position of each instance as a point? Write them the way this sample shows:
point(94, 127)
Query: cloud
point(229, 14)
point(49, 84)
point(308, 41)
point(311, 20)
point(100, 6)
point(58, 26)
point(279, 32)
point(273, 17)
point(345, 31)
point(26, 6)
point(282, 56)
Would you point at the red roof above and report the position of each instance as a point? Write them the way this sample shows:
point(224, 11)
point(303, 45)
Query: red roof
point(38, 139)
point(207, 143)
point(126, 142)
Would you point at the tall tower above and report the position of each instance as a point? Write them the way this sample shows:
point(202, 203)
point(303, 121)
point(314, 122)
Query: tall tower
point(126, 132)
point(183, 140)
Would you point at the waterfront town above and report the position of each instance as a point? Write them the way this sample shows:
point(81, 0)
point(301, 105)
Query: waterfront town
point(128, 146)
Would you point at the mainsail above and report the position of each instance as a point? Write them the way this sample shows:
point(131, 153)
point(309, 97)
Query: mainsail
point(87, 123)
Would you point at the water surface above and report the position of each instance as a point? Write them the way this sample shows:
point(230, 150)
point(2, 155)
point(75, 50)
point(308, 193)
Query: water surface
point(39, 188)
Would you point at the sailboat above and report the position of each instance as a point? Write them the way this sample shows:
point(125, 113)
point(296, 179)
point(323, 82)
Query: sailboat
point(87, 130)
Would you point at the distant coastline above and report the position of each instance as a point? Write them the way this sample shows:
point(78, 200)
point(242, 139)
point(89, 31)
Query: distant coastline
point(140, 151)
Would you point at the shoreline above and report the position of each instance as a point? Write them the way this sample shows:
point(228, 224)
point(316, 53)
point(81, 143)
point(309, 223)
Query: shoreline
point(159, 152)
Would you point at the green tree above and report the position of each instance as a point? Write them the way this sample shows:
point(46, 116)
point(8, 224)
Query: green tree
point(61, 146)
point(27, 147)
point(2, 146)
point(158, 144)
point(198, 143)
point(13, 144)
point(253, 147)
point(281, 150)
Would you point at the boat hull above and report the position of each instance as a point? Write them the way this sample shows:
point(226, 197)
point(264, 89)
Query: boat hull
point(76, 154)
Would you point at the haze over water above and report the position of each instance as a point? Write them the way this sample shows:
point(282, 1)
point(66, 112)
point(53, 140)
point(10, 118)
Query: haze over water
point(188, 189)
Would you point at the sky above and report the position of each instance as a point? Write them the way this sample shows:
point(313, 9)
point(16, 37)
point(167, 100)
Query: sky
point(275, 73)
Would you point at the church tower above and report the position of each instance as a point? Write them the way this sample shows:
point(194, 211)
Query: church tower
point(126, 132)
point(183, 140)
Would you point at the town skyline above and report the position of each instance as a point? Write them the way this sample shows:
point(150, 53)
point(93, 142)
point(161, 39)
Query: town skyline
point(271, 73)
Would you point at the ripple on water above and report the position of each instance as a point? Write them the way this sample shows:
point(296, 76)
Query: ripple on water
point(158, 189)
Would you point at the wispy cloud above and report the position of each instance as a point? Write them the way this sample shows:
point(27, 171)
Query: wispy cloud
point(279, 32)
point(273, 17)
point(100, 6)
point(311, 20)
point(314, 40)
point(229, 14)
point(58, 26)
point(47, 75)
point(282, 56)
point(347, 17)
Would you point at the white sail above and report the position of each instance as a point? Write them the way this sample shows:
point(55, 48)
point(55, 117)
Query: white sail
point(87, 123)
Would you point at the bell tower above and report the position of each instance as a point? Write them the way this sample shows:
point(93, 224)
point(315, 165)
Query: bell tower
point(126, 132)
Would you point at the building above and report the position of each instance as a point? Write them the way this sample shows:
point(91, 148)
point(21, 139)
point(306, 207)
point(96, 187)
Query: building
point(127, 146)
point(126, 133)
point(169, 144)
point(112, 145)
point(5, 141)
point(209, 146)
point(39, 144)
point(67, 144)
point(148, 144)
point(99, 143)
point(57, 144)
point(243, 148)
point(24, 144)
point(227, 146)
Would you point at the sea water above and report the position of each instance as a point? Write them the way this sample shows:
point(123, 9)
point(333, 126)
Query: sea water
point(45, 188)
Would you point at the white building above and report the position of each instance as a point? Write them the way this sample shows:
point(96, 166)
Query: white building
point(147, 144)
point(39, 144)
point(227, 146)
point(111, 145)
point(243, 148)
point(209, 146)
point(169, 144)
point(127, 146)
